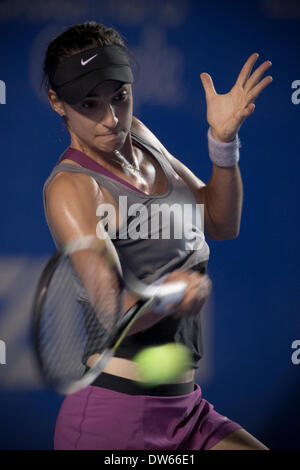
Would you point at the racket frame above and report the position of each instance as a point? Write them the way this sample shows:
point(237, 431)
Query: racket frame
point(150, 297)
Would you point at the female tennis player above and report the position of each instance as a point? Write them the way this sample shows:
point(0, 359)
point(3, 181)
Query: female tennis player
point(114, 157)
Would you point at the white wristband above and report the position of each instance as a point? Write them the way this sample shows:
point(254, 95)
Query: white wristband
point(223, 154)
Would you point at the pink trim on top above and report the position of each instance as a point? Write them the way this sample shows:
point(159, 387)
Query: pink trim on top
point(87, 162)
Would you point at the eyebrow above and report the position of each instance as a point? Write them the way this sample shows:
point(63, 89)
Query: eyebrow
point(94, 95)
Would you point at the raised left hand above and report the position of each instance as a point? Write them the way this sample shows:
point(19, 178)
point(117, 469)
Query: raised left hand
point(226, 113)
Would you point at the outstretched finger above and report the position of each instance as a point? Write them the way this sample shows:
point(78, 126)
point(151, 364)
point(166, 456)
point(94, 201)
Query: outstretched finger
point(255, 77)
point(208, 85)
point(246, 70)
point(255, 92)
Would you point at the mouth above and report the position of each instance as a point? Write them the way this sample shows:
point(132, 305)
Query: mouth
point(109, 134)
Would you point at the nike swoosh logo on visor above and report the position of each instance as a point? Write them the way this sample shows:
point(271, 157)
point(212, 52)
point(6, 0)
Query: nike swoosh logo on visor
point(84, 62)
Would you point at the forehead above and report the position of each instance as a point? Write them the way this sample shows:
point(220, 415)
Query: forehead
point(105, 88)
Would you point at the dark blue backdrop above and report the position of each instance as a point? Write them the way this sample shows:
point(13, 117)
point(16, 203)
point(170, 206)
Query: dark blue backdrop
point(255, 315)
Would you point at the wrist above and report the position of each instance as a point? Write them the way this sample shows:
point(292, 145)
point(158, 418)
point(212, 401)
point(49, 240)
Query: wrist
point(224, 154)
point(218, 138)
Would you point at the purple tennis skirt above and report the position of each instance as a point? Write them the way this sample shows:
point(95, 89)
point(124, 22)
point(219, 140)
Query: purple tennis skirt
point(117, 414)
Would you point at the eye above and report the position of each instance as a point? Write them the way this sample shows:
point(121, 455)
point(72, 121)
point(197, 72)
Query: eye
point(122, 96)
point(89, 104)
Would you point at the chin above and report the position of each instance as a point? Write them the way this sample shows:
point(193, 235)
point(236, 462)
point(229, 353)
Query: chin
point(109, 149)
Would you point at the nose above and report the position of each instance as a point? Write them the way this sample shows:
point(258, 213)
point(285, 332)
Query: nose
point(110, 119)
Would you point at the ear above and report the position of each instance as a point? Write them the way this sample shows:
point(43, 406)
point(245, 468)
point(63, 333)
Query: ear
point(56, 103)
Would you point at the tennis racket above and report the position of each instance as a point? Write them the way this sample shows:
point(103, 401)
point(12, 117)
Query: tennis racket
point(77, 311)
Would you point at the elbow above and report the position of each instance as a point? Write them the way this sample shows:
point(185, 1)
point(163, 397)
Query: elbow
point(230, 236)
point(225, 234)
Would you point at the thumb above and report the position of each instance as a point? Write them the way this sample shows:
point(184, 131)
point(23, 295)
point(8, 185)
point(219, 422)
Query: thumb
point(207, 85)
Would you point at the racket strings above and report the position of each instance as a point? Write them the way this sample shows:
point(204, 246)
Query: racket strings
point(77, 318)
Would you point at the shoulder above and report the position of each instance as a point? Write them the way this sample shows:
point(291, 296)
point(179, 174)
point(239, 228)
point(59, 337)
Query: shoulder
point(71, 205)
point(70, 197)
point(139, 128)
point(146, 134)
point(67, 185)
point(182, 170)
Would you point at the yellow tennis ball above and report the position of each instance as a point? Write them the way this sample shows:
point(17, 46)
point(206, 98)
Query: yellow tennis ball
point(159, 365)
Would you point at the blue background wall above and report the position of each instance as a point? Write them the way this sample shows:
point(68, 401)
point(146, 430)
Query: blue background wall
point(249, 375)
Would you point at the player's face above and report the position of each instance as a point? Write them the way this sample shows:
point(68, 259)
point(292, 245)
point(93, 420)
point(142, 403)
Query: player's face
point(103, 119)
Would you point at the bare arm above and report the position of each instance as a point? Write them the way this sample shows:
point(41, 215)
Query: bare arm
point(72, 202)
point(223, 199)
point(222, 196)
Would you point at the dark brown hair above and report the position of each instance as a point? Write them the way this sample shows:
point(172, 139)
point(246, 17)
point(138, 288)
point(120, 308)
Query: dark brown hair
point(78, 38)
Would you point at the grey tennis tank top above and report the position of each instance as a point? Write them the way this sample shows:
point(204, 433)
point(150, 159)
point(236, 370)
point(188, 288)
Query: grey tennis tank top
point(175, 240)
